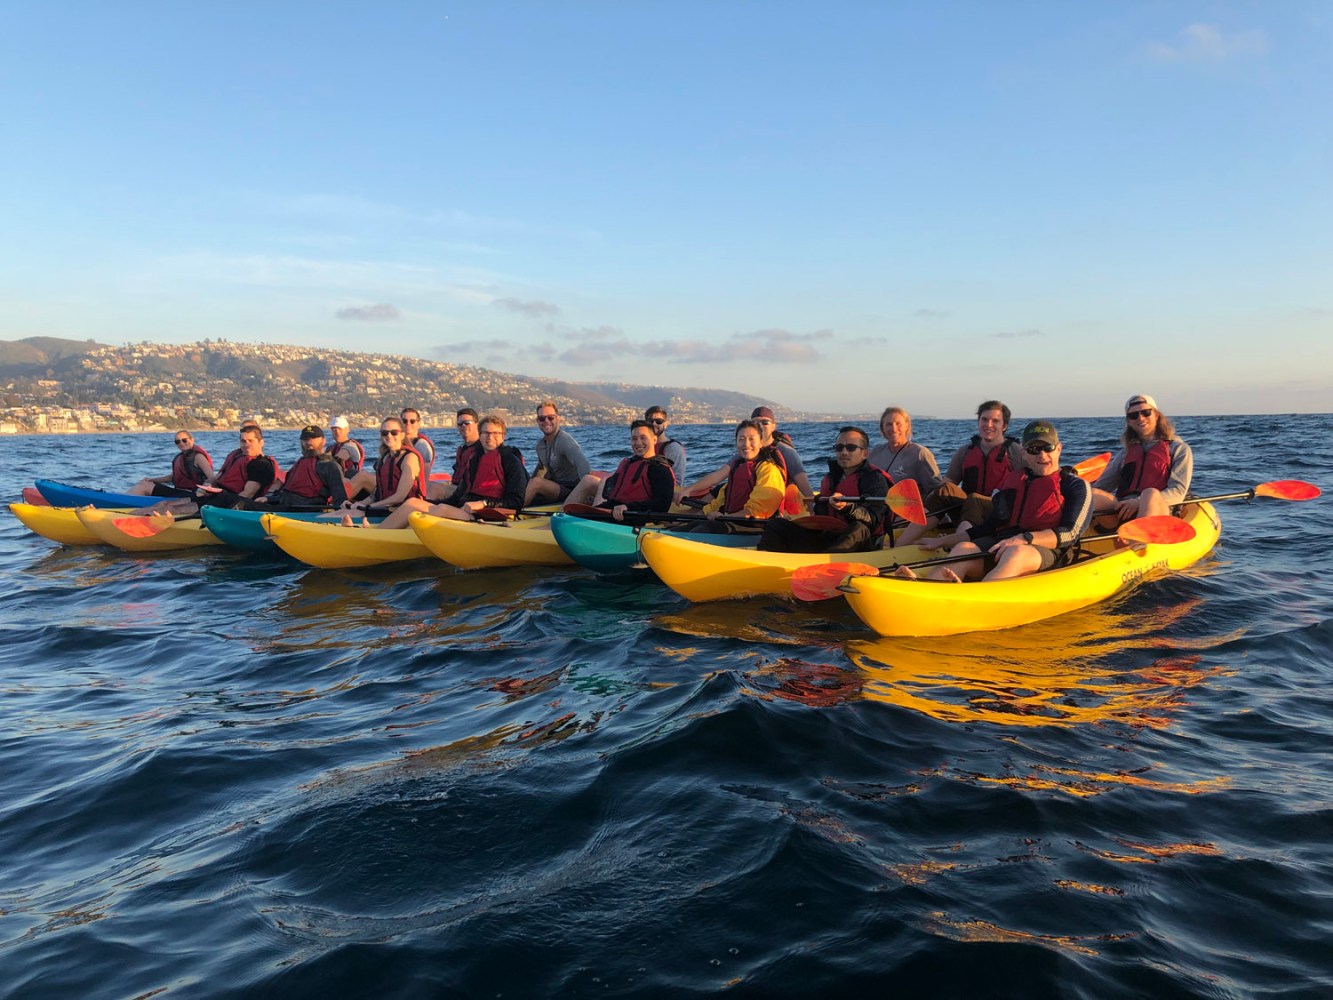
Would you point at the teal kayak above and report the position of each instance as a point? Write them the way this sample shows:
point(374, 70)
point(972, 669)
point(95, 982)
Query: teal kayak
point(241, 529)
point(608, 547)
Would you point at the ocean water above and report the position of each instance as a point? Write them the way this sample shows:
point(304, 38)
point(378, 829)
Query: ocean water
point(232, 776)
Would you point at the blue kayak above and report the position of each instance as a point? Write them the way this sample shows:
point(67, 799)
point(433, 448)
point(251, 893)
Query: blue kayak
point(608, 547)
point(241, 529)
point(64, 495)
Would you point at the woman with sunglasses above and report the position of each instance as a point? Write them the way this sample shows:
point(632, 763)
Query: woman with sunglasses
point(850, 474)
point(1037, 516)
point(1153, 470)
point(190, 468)
point(400, 474)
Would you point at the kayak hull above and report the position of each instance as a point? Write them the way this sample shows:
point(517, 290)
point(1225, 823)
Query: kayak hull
point(59, 524)
point(173, 536)
point(332, 546)
point(486, 544)
point(610, 547)
point(895, 607)
point(244, 529)
point(65, 495)
point(702, 572)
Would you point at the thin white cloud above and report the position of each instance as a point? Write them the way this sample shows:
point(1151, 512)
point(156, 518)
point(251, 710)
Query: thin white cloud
point(535, 309)
point(1200, 43)
point(1017, 334)
point(370, 314)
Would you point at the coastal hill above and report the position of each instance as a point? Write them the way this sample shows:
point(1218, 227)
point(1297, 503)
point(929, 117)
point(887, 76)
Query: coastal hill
point(49, 384)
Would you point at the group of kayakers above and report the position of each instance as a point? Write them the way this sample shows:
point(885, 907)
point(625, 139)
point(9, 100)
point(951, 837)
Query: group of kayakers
point(1006, 498)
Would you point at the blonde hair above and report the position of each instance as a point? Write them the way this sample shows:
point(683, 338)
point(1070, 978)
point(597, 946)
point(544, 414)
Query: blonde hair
point(491, 418)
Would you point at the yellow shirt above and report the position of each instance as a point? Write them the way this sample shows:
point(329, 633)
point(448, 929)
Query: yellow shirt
point(765, 498)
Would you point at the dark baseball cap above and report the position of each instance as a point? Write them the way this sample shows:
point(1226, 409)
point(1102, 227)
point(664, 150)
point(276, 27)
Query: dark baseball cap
point(311, 431)
point(1041, 430)
point(762, 411)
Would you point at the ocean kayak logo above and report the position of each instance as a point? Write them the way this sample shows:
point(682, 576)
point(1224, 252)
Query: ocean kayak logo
point(1133, 576)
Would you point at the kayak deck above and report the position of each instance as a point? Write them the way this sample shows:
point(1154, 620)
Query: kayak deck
point(612, 547)
point(525, 541)
point(170, 535)
point(333, 546)
point(59, 524)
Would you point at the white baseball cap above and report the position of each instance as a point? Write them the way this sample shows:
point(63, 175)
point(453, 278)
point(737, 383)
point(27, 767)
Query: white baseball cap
point(339, 422)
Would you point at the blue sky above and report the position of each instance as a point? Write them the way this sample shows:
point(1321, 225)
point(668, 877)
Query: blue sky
point(835, 206)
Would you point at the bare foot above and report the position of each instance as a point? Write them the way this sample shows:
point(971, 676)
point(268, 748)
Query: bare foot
point(347, 521)
point(904, 573)
point(949, 576)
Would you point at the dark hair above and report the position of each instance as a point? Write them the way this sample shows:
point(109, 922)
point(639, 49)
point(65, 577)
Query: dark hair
point(995, 404)
point(1166, 431)
point(467, 411)
point(648, 413)
point(849, 429)
point(406, 410)
point(635, 424)
point(751, 425)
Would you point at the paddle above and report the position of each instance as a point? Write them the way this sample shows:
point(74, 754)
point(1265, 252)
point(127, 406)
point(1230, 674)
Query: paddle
point(814, 522)
point(903, 498)
point(821, 581)
point(1090, 468)
point(32, 495)
point(149, 525)
point(1279, 489)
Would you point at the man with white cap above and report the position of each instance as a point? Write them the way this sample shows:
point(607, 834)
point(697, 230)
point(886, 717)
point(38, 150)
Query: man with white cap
point(346, 450)
point(1153, 470)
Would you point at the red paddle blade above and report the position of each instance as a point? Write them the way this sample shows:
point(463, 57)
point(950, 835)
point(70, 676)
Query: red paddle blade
point(793, 504)
point(586, 510)
point(1163, 530)
point(33, 496)
point(144, 527)
point(822, 580)
point(1287, 489)
point(1090, 468)
point(905, 500)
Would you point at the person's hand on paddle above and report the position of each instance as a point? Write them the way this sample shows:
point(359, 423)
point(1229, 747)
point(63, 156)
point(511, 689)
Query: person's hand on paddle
point(618, 511)
point(836, 502)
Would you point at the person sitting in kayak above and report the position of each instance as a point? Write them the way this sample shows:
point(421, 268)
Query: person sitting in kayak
point(346, 449)
point(245, 474)
point(756, 479)
point(669, 448)
point(561, 463)
point(643, 482)
point(314, 480)
point(850, 475)
point(190, 468)
point(900, 456)
point(770, 437)
point(1037, 516)
point(1151, 473)
point(975, 472)
point(466, 422)
point(417, 441)
point(399, 473)
point(493, 477)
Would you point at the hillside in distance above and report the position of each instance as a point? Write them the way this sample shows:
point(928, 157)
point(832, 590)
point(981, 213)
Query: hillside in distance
point(216, 383)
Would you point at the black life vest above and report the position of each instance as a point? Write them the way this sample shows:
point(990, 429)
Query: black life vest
point(185, 473)
point(630, 483)
point(983, 473)
point(1144, 470)
point(389, 471)
point(1038, 500)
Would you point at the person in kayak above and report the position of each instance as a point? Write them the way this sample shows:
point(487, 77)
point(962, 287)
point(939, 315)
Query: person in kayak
point(190, 468)
point(561, 463)
point(900, 456)
point(346, 449)
point(669, 448)
point(466, 421)
point(1152, 471)
point(975, 472)
point(418, 442)
point(850, 474)
point(1036, 518)
point(314, 480)
point(770, 437)
point(399, 473)
point(246, 473)
point(643, 482)
point(755, 482)
point(493, 476)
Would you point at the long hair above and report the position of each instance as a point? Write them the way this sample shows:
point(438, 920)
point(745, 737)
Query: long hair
point(1166, 431)
point(890, 411)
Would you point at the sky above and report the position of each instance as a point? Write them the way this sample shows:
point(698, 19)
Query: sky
point(835, 206)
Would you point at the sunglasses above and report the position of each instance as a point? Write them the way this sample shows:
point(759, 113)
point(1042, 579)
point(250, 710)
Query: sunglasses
point(182, 440)
point(466, 423)
point(547, 420)
point(659, 420)
point(389, 434)
point(847, 447)
point(764, 423)
point(1039, 448)
point(1138, 414)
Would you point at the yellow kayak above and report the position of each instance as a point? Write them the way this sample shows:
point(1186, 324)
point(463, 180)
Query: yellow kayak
point(477, 544)
point(703, 572)
point(148, 533)
point(895, 607)
point(60, 524)
point(329, 545)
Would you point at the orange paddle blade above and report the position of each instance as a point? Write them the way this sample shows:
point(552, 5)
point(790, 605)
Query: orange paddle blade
point(904, 499)
point(822, 580)
point(1287, 489)
point(1090, 468)
point(793, 504)
point(144, 527)
point(1163, 530)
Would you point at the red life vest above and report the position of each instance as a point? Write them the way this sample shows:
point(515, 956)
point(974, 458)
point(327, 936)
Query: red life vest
point(352, 466)
point(389, 471)
point(426, 454)
point(233, 474)
point(630, 482)
point(185, 473)
point(984, 473)
point(303, 481)
point(488, 476)
point(741, 479)
point(1038, 501)
point(1143, 471)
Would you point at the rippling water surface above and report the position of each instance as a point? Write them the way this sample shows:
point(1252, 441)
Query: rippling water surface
point(228, 775)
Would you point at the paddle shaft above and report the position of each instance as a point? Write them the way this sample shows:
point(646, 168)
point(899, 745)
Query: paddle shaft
point(977, 555)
